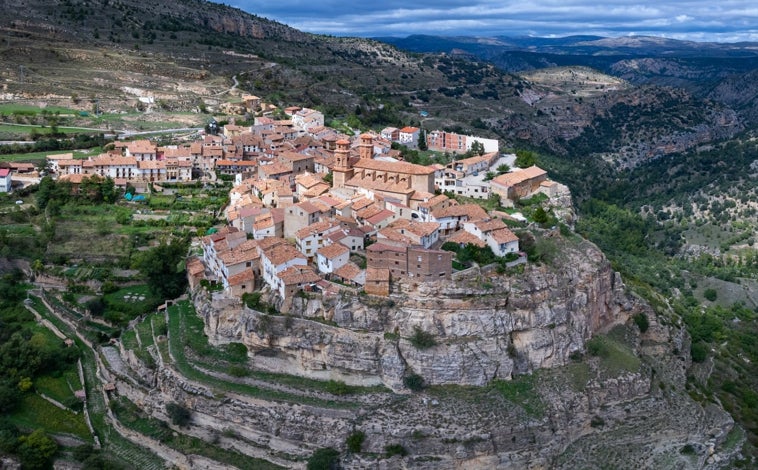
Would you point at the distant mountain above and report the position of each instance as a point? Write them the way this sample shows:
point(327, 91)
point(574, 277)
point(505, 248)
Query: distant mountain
point(695, 66)
point(638, 46)
point(194, 55)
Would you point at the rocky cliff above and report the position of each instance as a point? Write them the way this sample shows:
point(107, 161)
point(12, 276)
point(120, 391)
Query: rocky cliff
point(484, 325)
point(518, 386)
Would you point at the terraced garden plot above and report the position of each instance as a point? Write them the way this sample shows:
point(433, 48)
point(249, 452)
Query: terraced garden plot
point(76, 238)
point(132, 417)
point(114, 445)
point(59, 388)
point(35, 412)
point(179, 336)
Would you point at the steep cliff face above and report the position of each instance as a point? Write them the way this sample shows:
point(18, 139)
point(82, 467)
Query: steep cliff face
point(624, 406)
point(484, 325)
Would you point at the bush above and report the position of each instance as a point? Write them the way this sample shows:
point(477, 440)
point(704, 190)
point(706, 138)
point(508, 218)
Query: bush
point(355, 441)
point(597, 422)
point(337, 387)
point(180, 416)
point(596, 347)
point(395, 449)
point(687, 449)
point(238, 371)
point(422, 339)
point(699, 352)
point(642, 322)
point(710, 294)
point(324, 459)
point(414, 382)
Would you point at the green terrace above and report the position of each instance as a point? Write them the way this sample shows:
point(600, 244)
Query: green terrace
point(196, 359)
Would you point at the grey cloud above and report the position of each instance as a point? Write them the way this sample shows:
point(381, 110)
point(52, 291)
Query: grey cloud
point(727, 20)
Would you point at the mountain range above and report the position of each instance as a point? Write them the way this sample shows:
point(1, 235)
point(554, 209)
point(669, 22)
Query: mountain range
point(671, 95)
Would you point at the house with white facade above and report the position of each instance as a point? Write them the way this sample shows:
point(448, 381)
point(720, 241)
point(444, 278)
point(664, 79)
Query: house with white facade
point(306, 119)
point(408, 136)
point(332, 257)
point(5, 180)
point(495, 234)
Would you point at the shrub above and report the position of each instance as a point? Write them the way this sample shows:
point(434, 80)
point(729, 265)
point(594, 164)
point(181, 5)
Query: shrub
point(395, 449)
point(179, 415)
point(355, 441)
point(337, 387)
point(326, 458)
point(597, 422)
point(422, 339)
point(687, 449)
point(710, 294)
point(642, 322)
point(238, 371)
point(699, 352)
point(596, 347)
point(414, 382)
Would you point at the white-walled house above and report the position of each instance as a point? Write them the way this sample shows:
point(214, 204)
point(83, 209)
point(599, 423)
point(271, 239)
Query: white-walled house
point(5, 180)
point(278, 258)
point(495, 234)
point(332, 257)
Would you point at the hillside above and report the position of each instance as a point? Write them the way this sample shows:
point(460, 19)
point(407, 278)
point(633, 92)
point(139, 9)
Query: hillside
point(660, 153)
point(195, 56)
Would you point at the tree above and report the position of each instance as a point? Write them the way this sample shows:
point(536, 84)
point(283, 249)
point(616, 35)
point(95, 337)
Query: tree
point(36, 450)
point(642, 322)
point(179, 415)
point(525, 158)
point(422, 339)
point(96, 306)
point(414, 382)
point(422, 140)
point(326, 458)
point(355, 441)
point(540, 216)
point(37, 267)
point(477, 148)
point(163, 266)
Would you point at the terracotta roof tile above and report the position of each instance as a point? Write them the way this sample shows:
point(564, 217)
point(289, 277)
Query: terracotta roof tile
point(333, 251)
point(516, 177)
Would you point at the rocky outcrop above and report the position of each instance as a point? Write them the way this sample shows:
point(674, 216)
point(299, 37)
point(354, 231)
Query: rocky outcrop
point(627, 410)
point(485, 325)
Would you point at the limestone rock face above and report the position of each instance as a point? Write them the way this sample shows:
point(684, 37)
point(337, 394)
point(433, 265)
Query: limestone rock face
point(623, 411)
point(485, 325)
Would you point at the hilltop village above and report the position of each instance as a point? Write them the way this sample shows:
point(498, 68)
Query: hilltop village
point(312, 209)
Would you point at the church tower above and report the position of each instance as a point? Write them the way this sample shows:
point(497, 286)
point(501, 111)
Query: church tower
point(343, 169)
point(366, 148)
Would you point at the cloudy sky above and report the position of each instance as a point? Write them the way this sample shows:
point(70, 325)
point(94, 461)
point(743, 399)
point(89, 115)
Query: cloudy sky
point(713, 20)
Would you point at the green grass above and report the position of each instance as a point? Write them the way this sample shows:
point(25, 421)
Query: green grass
point(58, 388)
point(521, 391)
point(35, 412)
point(35, 157)
point(11, 108)
point(114, 444)
point(179, 337)
point(145, 332)
point(615, 356)
point(129, 340)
